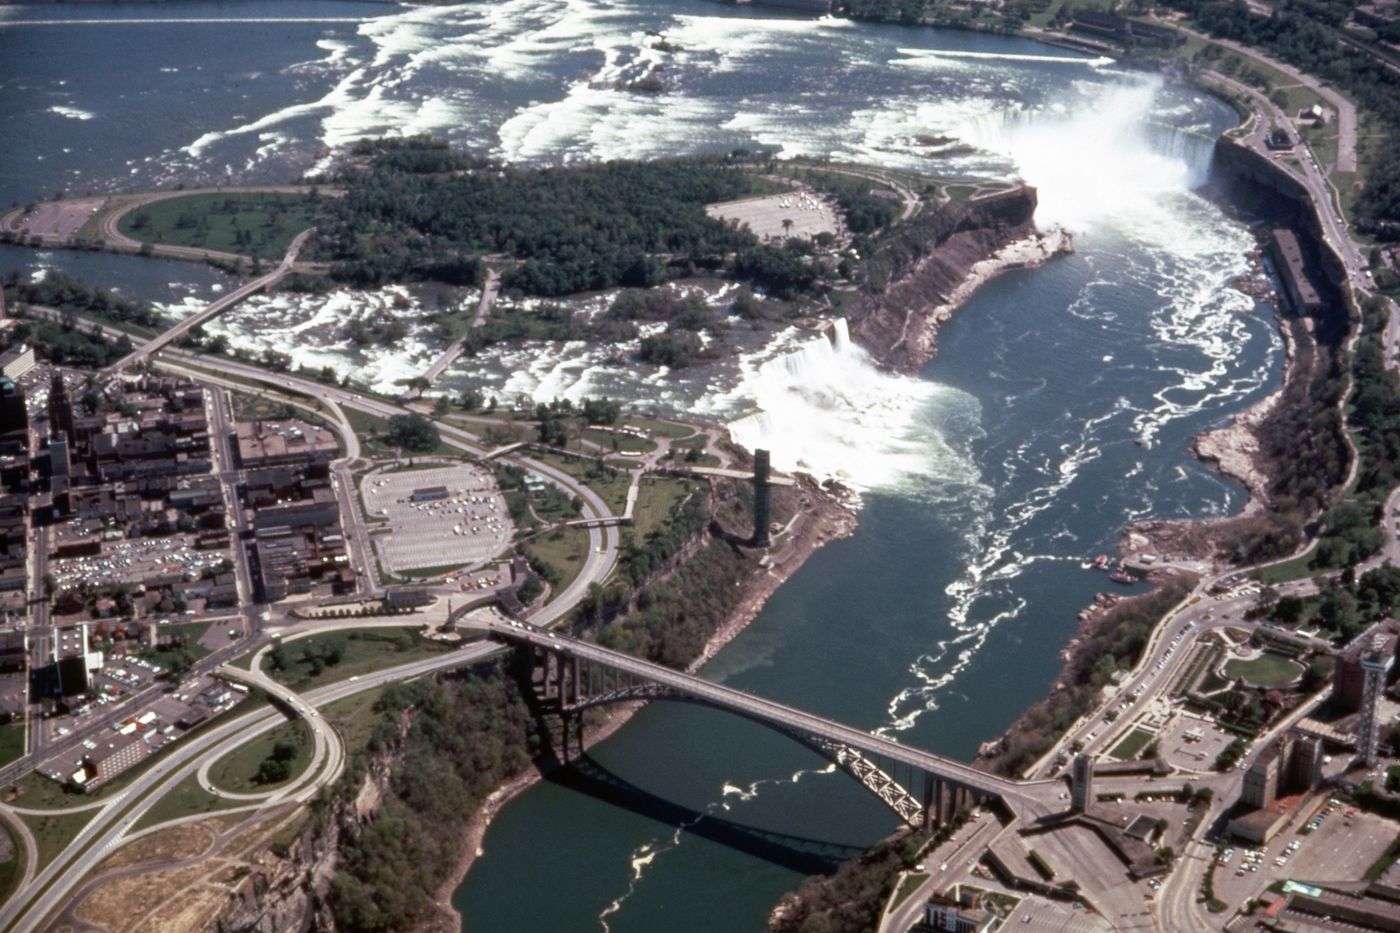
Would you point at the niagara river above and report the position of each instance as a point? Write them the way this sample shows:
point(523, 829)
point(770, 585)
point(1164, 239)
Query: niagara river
point(1058, 410)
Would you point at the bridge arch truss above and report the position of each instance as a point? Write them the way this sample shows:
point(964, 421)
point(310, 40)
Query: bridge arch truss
point(569, 685)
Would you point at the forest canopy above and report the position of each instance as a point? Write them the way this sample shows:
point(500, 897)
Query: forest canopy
point(422, 209)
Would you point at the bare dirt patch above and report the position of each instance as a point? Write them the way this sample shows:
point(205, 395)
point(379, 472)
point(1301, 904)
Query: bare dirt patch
point(178, 842)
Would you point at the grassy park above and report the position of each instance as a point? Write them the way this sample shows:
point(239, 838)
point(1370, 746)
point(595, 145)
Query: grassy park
point(1267, 670)
point(257, 225)
point(242, 771)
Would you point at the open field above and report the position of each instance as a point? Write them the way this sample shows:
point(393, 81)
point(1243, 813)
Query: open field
point(656, 496)
point(565, 549)
point(257, 225)
point(53, 832)
point(1267, 670)
point(237, 771)
point(185, 799)
point(12, 867)
point(11, 742)
point(1132, 745)
point(309, 662)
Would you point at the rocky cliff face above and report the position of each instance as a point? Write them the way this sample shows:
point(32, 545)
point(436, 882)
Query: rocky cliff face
point(288, 893)
point(923, 266)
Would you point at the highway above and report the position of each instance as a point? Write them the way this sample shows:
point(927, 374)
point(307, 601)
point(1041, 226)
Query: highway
point(26, 910)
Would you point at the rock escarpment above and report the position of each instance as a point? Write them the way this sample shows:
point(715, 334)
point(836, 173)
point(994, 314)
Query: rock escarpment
point(915, 275)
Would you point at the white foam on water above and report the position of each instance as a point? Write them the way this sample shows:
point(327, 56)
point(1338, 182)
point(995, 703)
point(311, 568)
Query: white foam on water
point(824, 408)
point(71, 113)
point(1087, 62)
point(310, 329)
point(725, 42)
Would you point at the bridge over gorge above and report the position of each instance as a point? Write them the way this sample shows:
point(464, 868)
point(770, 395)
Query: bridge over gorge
point(571, 675)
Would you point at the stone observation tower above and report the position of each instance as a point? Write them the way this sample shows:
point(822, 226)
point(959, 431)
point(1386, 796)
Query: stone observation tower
point(762, 502)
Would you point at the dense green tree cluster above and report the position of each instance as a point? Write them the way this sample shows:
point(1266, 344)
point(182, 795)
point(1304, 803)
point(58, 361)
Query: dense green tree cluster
point(277, 766)
point(781, 272)
point(1345, 606)
point(1304, 33)
point(62, 291)
point(467, 735)
point(865, 210)
point(576, 229)
point(1303, 441)
point(67, 343)
point(413, 433)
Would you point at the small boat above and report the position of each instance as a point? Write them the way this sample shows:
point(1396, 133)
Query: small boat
point(1101, 562)
point(1122, 576)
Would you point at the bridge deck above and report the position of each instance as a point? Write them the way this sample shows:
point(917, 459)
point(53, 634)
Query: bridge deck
point(1036, 796)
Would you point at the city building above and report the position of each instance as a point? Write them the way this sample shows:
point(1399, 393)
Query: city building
point(1287, 767)
point(964, 915)
point(15, 362)
point(282, 443)
point(14, 417)
point(110, 759)
point(1349, 677)
point(1375, 663)
point(1081, 788)
point(1261, 781)
point(1291, 268)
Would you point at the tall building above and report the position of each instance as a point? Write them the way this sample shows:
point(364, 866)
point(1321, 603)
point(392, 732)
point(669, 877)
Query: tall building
point(1375, 665)
point(60, 407)
point(762, 500)
point(1262, 779)
point(1081, 783)
point(1305, 770)
point(1349, 677)
point(14, 417)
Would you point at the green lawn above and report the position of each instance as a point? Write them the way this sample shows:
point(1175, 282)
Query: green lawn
point(655, 498)
point(1133, 744)
point(308, 663)
point(257, 225)
point(237, 771)
point(12, 869)
point(367, 426)
point(565, 549)
point(1299, 568)
point(11, 742)
point(656, 426)
point(908, 886)
point(185, 799)
point(191, 651)
point(616, 440)
point(1267, 670)
point(610, 485)
point(53, 832)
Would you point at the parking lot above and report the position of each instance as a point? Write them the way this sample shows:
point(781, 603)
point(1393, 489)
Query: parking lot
point(136, 560)
point(1192, 743)
point(804, 215)
point(1343, 846)
point(466, 525)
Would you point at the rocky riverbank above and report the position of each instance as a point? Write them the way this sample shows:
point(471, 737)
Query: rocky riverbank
point(936, 262)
